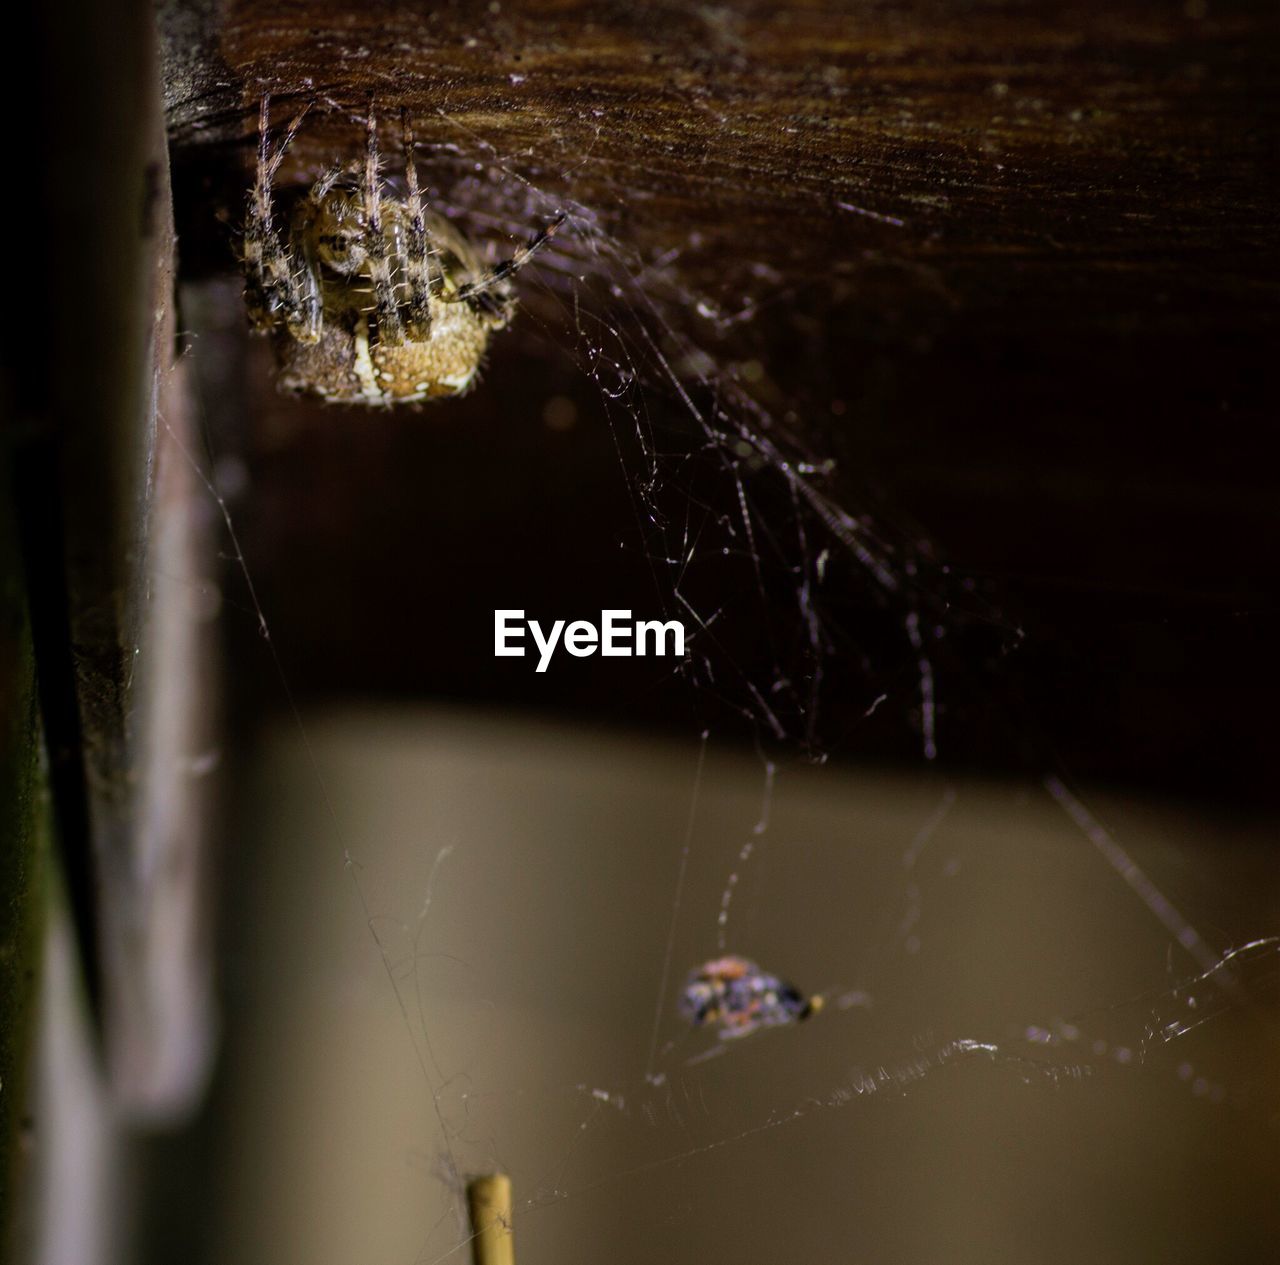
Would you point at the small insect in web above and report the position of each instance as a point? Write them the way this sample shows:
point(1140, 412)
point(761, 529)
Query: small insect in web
point(736, 996)
point(370, 298)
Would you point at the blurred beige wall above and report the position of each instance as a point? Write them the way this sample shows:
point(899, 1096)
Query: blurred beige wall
point(528, 961)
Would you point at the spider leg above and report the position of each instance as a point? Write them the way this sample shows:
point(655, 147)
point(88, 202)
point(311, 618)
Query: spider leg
point(386, 311)
point(489, 295)
point(417, 253)
point(261, 246)
point(276, 285)
point(328, 178)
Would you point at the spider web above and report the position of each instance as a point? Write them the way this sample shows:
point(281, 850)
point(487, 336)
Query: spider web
point(1017, 996)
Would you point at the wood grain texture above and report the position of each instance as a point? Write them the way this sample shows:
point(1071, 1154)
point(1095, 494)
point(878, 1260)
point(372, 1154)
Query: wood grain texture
point(1013, 265)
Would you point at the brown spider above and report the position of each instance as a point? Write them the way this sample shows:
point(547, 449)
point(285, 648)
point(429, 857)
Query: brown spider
point(370, 298)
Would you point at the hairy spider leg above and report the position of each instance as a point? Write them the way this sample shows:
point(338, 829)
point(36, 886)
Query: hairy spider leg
point(276, 282)
point(480, 294)
point(386, 311)
point(261, 246)
point(417, 255)
point(330, 177)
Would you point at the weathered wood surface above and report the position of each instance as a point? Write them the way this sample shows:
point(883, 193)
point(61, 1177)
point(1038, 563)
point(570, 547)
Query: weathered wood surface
point(1024, 148)
point(93, 404)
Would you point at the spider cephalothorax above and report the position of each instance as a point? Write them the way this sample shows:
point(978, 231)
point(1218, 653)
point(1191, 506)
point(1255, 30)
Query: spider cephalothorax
point(370, 297)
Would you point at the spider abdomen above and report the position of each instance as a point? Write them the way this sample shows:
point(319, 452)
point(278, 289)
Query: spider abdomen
point(370, 298)
point(349, 364)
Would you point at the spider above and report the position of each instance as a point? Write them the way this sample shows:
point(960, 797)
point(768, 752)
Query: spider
point(738, 996)
point(370, 298)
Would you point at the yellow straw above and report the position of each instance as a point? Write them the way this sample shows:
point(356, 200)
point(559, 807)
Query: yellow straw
point(490, 1202)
